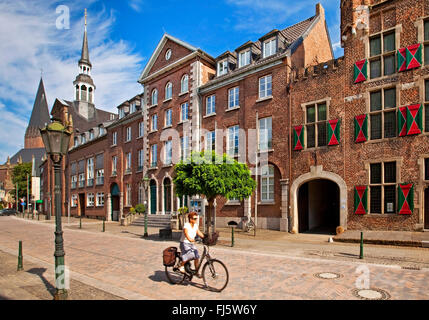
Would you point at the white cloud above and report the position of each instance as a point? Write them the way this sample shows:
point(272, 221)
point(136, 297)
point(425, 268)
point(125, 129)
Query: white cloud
point(136, 5)
point(30, 41)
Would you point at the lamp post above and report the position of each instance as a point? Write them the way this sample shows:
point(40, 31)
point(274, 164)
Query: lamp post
point(56, 139)
point(145, 186)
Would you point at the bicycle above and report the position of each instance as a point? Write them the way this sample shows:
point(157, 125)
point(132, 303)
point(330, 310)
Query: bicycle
point(250, 225)
point(214, 273)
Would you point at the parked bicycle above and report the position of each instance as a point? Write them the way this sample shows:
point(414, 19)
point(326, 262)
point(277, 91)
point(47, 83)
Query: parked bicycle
point(214, 273)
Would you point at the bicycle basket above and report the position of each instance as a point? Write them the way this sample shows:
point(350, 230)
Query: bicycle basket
point(169, 256)
point(213, 241)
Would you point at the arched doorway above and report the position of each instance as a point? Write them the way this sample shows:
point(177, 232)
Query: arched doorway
point(167, 196)
point(153, 197)
point(115, 194)
point(318, 206)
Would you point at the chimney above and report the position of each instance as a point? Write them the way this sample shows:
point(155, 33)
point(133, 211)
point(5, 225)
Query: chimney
point(320, 11)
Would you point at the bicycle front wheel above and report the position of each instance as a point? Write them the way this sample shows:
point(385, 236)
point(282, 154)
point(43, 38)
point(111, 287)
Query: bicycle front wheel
point(174, 275)
point(215, 275)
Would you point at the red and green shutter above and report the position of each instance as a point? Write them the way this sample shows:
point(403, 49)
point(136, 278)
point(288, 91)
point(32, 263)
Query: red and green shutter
point(361, 199)
point(406, 198)
point(414, 119)
point(361, 128)
point(360, 71)
point(402, 121)
point(402, 59)
point(333, 132)
point(414, 56)
point(298, 138)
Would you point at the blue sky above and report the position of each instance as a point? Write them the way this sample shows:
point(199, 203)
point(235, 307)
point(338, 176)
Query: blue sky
point(122, 36)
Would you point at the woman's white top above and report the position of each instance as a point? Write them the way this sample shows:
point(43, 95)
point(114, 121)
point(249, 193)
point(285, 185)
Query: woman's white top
point(192, 232)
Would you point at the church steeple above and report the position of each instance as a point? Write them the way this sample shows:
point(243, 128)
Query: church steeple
point(84, 86)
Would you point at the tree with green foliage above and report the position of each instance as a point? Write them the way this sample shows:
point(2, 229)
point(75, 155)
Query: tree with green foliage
point(212, 175)
point(140, 208)
point(19, 176)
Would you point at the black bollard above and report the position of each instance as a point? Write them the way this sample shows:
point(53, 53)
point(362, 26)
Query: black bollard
point(20, 267)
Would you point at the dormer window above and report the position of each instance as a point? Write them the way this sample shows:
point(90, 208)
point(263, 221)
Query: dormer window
point(133, 107)
point(76, 141)
point(154, 97)
point(222, 67)
point(83, 139)
point(121, 113)
point(102, 131)
point(168, 91)
point(91, 134)
point(244, 58)
point(270, 47)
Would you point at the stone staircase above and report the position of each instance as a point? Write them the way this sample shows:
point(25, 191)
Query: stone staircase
point(154, 221)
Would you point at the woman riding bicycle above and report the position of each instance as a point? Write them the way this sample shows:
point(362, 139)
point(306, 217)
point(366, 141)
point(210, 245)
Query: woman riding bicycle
point(187, 242)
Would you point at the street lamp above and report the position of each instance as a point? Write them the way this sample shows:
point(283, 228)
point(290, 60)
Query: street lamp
point(145, 186)
point(56, 139)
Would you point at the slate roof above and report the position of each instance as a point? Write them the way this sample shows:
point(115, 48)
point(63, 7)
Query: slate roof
point(40, 114)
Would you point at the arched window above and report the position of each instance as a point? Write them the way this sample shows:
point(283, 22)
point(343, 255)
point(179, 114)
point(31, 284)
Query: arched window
point(168, 91)
point(77, 92)
point(184, 84)
point(90, 95)
point(83, 95)
point(154, 97)
point(267, 183)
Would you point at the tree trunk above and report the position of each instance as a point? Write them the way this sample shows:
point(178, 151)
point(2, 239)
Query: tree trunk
point(209, 218)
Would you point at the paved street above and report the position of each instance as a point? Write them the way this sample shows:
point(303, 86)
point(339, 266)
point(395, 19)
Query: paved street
point(131, 268)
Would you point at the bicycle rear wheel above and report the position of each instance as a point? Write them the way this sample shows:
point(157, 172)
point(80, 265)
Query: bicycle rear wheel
point(215, 275)
point(174, 275)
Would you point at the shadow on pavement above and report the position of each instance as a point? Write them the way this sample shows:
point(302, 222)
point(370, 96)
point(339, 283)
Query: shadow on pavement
point(39, 272)
point(159, 276)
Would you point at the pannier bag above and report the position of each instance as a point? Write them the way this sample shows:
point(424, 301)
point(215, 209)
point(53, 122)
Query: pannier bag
point(169, 256)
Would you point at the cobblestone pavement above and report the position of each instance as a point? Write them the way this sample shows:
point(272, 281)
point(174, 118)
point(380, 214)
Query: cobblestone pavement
point(124, 265)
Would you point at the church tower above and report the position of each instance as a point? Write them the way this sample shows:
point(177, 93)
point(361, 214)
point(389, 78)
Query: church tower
point(84, 87)
point(39, 118)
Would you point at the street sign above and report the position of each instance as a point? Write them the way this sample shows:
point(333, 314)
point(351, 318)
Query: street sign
point(22, 203)
point(39, 201)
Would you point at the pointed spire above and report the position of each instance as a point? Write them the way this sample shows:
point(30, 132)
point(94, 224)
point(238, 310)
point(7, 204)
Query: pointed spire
point(85, 50)
point(40, 113)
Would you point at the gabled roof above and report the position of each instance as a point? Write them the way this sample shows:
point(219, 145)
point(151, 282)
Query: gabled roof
point(158, 50)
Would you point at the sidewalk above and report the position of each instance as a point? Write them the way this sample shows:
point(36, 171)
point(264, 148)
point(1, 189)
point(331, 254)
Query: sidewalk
point(396, 238)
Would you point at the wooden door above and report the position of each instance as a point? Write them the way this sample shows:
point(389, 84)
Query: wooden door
point(426, 213)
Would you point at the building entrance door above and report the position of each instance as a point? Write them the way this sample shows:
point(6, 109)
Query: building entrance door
point(114, 191)
point(82, 204)
point(426, 213)
point(152, 197)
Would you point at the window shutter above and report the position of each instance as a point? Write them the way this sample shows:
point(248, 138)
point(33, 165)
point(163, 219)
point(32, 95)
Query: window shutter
point(402, 121)
point(361, 199)
point(414, 56)
point(360, 71)
point(414, 119)
point(402, 59)
point(298, 138)
point(406, 198)
point(333, 132)
point(361, 128)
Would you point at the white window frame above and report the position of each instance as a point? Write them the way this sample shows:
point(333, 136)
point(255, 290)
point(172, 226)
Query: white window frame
point(140, 159)
point(211, 105)
point(128, 135)
point(128, 162)
point(153, 155)
point(184, 116)
point(244, 58)
point(168, 91)
point(269, 47)
point(234, 97)
point(267, 180)
point(168, 147)
point(154, 122)
point(90, 199)
point(128, 194)
point(121, 113)
point(100, 199)
point(184, 84)
point(210, 137)
point(168, 118)
point(265, 86)
point(74, 200)
point(154, 97)
point(184, 147)
point(90, 168)
point(114, 138)
point(141, 129)
point(141, 193)
point(222, 67)
point(265, 134)
point(114, 165)
point(133, 107)
point(233, 142)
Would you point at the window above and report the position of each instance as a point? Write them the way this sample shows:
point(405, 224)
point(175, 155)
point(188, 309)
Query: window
point(168, 118)
point(184, 148)
point(184, 84)
point(140, 160)
point(233, 141)
point(114, 138)
point(154, 97)
point(168, 91)
point(82, 138)
point(133, 107)
point(141, 129)
point(382, 54)
point(128, 134)
point(222, 67)
point(128, 162)
point(168, 152)
point(426, 106)
point(270, 47)
point(114, 164)
point(100, 199)
point(100, 177)
point(91, 134)
point(383, 187)
point(153, 155)
point(128, 195)
point(233, 97)
point(265, 134)
point(267, 183)
point(73, 182)
point(154, 122)
point(76, 141)
point(211, 141)
point(141, 192)
point(316, 116)
point(244, 58)
point(383, 114)
point(90, 200)
point(121, 112)
point(74, 200)
point(81, 180)
point(211, 105)
point(265, 89)
point(102, 131)
point(168, 54)
point(426, 41)
point(90, 172)
point(184, 115)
